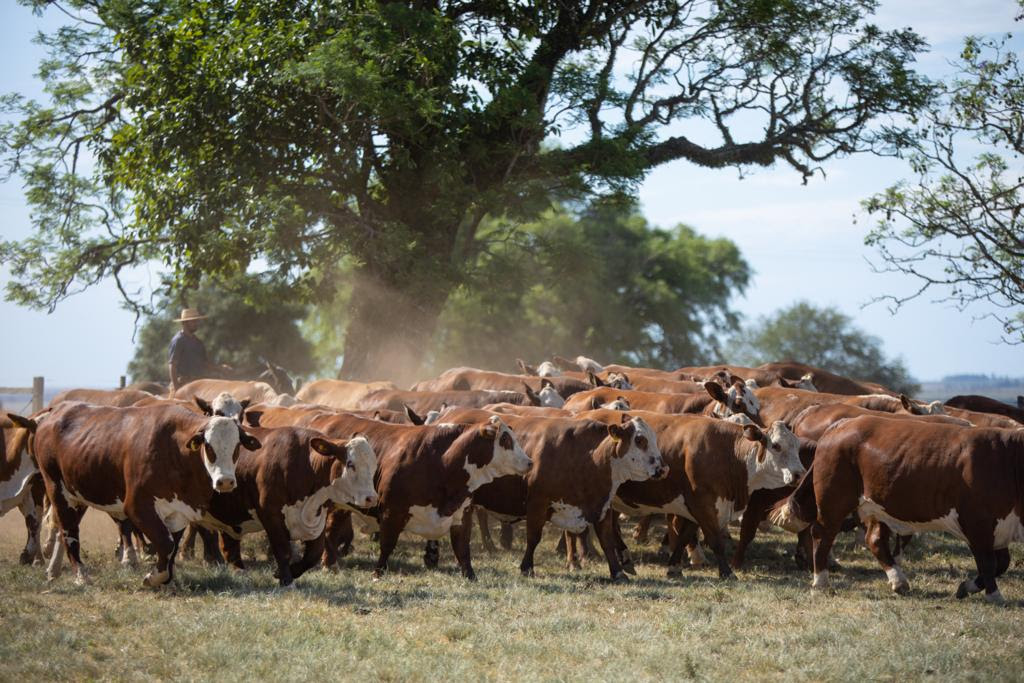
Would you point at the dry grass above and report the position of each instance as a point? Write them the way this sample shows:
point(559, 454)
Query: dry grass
point(432, 625)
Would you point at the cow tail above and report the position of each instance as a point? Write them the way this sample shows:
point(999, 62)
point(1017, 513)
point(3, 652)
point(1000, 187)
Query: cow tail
point(796, 512)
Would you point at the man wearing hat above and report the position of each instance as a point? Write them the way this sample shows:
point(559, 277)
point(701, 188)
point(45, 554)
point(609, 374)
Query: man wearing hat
point(186, 359)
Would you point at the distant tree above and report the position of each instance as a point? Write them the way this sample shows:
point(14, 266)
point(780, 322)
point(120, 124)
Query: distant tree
point(821, 336)
point(958, 228)
point(249, 320)
point(211, 136)
point(602, 282)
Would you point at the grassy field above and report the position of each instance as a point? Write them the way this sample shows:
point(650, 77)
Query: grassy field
point(432, 625)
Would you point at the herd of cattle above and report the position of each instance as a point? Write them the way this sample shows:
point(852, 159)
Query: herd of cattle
point(569, 443)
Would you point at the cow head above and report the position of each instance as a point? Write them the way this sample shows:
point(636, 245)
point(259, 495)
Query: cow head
point(548, 369)
point(619, 403)
point(721, 377)
point(636, 456)
point(738, 399)
point(218, 443)
point(278, 378)
point(549, 396)
point(505, 456)
point(774, 459)
point(526, 368)
point(359, 465)
point(224, 405)
point(588, 364)
point(619, 380)
point(918, 408)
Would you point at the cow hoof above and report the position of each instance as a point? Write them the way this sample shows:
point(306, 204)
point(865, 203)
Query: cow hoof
point(469, 576)
point(995, 598)
point(901, 588)
point(961, 591)
point(290, 586)
point(82, 579)
point(620, 577)
point(674, 570)
point(527, 573)
point(629, 568)
point(25, 557)
point(575, 566)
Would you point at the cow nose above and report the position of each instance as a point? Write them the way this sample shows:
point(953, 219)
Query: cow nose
point(662, 473)
point(225, 484)
point(370, 501)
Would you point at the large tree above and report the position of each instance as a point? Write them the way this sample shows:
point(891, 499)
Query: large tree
point(957, 229)
point(217, 136)
point(821, 336)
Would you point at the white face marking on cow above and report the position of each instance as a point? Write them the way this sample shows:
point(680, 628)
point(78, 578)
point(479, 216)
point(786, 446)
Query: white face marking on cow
point(426, 520)
point(780, 463)
point(508, 457)
point(176, 515)
point(548, 369)
point(739, 419)
point(617, 380)
point(283, 400)
point(355, 485)
point(934, 408)
point(431, 417)
point(618, 404)
point(751, 384)
point(642, 459)
point(806, 383)
point(226, 405)
point(221, 442)
point(568, 517)
point(589, 364)
point(550, 398)
point(744, 397)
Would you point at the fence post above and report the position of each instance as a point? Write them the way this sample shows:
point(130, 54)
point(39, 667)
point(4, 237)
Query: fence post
point(122, 384)
point(37, 394)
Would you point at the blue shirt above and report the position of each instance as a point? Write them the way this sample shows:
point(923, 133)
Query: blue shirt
point(189, 354)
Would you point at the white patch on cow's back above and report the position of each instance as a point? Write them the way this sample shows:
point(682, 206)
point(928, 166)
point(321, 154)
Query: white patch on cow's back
point(948, 523)
point(1008, 530)
point(17, 486)
point(426, 521)
point(568, 517)
point(175, 513)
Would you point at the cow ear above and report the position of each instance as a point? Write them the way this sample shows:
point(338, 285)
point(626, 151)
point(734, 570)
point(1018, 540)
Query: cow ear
point(546, 383)
point(783, 382)
point(245, 404)
point(23, 422)
point(253, 417)
point(489, 431)
point(625, 418)
point(753, 433)
point(595, 380)
point(203, 406)
point(617, 432)
point(195, 442)
point(526, 367)
point(412, 415)
point(325, 447)
point(716, 391)
point(595, 403)
point(248, 441)
point(733, 379)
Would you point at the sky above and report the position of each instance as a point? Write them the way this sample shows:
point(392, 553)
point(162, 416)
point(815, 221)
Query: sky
point(803, 242)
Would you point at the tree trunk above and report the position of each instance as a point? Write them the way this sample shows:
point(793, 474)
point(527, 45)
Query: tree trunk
point(390, 328)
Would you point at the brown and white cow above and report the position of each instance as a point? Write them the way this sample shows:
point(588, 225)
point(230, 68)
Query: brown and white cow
point(464, 379)
point(120, 398)
point(578, 465)
point(339, 394)
point(912, 477)
point(209, 389)
point(714, 466)
point(20, 484)
point(157, 466)
point(984, 404)
point(426, 476)
point(285, 488)
point(425, 401)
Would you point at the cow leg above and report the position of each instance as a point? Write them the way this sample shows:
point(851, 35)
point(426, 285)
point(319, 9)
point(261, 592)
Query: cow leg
point(643, 526)
point(804, 550)
point(877, 538)
point(625, 558)
point(758, 505)
point(536, 517)
point(1002, 561)
point(338, 536)
point(563, 543)
point(902, 542)
point(390, 528)
point(32, 510)
point(188, 543)
point(68, 519)
point(572, 554)
point(682, 534)
point(484, 521)
point(606, 537)
point(126, 546)
point(505, 536)
point(431, 554)
point(987, 563)
point(824, 537)
point(211, 553)
point(143, 515)
point(588, 545)
point(231, 549)
point(311, 554)
point(707, 519)
point(460, 536)
point(280, 547)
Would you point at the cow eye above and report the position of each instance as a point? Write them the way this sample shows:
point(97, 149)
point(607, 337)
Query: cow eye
point(641, 442)
point(505, 441)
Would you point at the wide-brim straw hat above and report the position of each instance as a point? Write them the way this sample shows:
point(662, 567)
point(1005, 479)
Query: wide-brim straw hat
point(190, 314)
